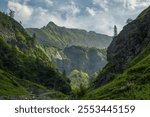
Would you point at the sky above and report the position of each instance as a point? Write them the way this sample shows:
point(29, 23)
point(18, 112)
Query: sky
point(92, 15)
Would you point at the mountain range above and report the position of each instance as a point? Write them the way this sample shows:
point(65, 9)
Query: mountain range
point(73, 49)
point(60, 63)
point(61, 37)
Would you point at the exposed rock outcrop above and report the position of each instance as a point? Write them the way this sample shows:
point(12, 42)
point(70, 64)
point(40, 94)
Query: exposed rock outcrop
point(89, 60)
point(126, 46)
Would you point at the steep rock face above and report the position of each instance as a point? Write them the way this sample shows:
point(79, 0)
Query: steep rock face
point(89, 60)
point(61, 37)
point(125, 47)
point(130, 42)
point(127, 74)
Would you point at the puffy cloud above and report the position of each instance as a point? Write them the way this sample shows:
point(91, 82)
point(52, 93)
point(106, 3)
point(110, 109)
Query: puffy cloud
point(90, 11)
point(40, 18)
point(133, 4)
point(129, 4)
point(22, 11)
point(49, 2)
point(70, 9)
point(102, 3)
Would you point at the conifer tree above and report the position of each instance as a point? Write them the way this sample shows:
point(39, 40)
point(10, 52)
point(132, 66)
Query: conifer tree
point(115, 31)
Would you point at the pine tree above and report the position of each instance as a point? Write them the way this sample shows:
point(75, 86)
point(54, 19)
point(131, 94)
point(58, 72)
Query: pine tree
point(115, 31)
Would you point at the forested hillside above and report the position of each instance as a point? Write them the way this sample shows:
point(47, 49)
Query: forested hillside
point(21, 61)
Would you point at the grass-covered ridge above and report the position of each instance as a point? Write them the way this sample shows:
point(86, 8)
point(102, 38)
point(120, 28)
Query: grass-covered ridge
point(61, 37)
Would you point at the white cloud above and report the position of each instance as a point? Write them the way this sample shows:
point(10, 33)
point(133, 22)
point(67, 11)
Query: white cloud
point(71, 9)
point(133, 4)
point(26, 1)
point(49, 2)
point(29, 16)
point(40, 17)
point(22, 11)
point(90, 11)
point(102, 3)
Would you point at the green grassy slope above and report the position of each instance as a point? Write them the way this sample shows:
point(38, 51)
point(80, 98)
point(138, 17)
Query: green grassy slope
point(9, 87)
point(60, 37)
point(12, 87)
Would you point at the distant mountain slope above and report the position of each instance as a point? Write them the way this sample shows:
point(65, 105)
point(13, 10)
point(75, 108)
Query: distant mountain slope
point(60, 37)
point(72, 49)
point(22, 59)
point(89, 60)
point(127, 74)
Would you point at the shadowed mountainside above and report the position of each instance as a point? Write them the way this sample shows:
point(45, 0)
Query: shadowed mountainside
point(127, 74)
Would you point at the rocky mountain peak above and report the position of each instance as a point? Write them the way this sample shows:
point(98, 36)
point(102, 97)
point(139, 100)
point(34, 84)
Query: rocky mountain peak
point(51, 24)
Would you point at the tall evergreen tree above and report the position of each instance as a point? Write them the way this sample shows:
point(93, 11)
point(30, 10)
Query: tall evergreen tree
point(115, 31)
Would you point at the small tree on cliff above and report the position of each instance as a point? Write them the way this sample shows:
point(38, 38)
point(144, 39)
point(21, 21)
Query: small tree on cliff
point(115, 31)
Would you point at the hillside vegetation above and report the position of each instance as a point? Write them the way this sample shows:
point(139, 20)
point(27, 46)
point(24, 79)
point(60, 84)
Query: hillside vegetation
point(22, 59)
point(61, 37)
point(127, 74)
